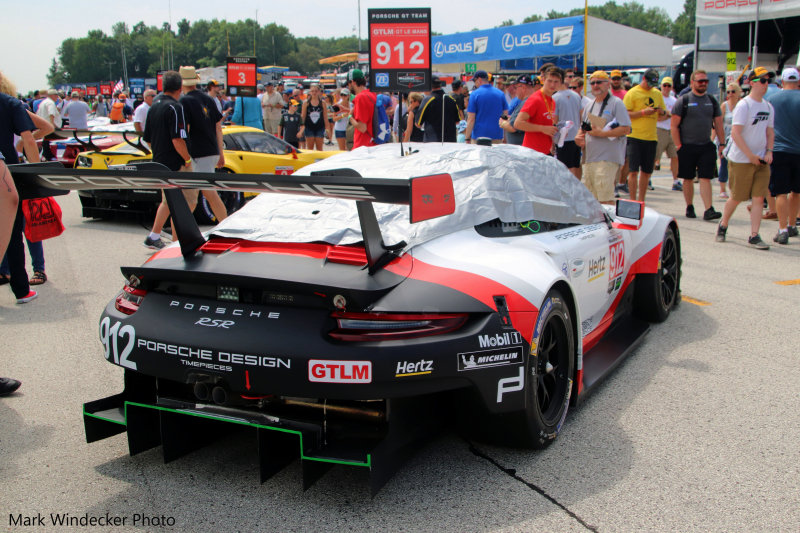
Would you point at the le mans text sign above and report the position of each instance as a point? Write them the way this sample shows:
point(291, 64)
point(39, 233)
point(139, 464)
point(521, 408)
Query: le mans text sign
point(241, 76)
point(399, 49)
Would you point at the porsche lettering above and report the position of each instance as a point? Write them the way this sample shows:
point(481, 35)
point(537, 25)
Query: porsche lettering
point(119, 182)
point(218, 310)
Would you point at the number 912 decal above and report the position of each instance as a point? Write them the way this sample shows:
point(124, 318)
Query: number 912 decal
point(118, 342)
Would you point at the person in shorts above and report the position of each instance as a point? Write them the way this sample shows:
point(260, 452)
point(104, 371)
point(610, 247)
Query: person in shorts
point(289, 125)
point(784, 183)
point(645, 105)
point(750, 155)
point(694, 115)
point(604, 149)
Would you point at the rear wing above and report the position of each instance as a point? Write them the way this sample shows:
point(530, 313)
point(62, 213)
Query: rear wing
point(427, 196)
point(132, 137)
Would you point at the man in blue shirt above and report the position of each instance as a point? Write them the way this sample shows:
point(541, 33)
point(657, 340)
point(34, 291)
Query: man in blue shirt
point(784, 181)
point(486, 105)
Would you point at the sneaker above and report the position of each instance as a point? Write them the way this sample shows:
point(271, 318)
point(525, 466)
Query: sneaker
point(690, 212)
point(677, 186)
point(623, 187)
point(721, 231)
point(8, 385)
point(657, 167)
point(723, 195)
point(650, 185)
point(782, 237)
point(31, 296)
point(757, 243)
point(792, 231)
point(711, 214)
point(154, 244)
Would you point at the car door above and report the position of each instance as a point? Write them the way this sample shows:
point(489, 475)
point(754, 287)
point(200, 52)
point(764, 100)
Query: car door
point(589, 260)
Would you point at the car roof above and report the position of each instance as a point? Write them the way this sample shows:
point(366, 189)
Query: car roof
point(512, 183)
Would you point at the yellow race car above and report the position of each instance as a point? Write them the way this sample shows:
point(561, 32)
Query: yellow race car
point(247, 150)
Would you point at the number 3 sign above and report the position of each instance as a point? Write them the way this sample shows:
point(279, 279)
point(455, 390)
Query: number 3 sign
point(241, 76)
point(400, 49)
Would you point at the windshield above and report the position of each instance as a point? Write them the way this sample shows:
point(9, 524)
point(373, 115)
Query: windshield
point(262, 143)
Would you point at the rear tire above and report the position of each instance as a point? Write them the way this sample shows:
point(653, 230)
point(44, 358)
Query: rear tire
point(548, 381)
point(656, 294)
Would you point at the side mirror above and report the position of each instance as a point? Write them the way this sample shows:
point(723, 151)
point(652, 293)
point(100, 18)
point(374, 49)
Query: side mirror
point(629, 214)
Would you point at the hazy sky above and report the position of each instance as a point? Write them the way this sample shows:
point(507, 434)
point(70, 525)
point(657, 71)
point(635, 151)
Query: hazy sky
point(30, 36)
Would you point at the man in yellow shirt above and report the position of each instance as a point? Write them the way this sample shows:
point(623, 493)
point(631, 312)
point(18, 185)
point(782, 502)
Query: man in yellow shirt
point(645, 105)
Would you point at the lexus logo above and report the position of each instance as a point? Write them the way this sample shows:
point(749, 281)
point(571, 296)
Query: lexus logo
point(438, 49)
point(508, 42)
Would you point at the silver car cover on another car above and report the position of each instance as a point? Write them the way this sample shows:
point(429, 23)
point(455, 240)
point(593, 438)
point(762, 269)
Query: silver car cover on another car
point(512, 183)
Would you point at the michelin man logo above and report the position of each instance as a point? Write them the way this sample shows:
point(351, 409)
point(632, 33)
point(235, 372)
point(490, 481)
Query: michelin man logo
point(382, 79)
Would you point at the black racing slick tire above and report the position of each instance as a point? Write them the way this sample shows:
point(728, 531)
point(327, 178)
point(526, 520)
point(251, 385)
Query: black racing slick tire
point(549, 376)
point(656, 294)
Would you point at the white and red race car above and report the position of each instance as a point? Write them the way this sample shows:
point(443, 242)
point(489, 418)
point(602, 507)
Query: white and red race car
point(372, 281)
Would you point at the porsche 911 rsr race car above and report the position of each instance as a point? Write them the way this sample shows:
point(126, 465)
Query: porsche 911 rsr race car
point(247, 151)
point(373, 289)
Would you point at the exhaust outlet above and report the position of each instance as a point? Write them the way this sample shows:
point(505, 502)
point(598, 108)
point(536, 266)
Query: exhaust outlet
point(219, 395)
point(202, 392)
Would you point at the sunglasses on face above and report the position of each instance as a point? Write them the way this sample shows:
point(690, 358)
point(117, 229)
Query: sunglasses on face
point(595, 83)
point(760, 80)
point(573, 87)
point(666, 85)
point(701, 81)
point(730, 92)
point(616, 78)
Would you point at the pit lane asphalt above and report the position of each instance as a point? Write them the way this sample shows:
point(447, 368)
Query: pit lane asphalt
point(697, 431)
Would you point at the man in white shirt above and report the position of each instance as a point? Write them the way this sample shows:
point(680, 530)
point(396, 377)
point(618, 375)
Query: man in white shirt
point(271, 107)
point(48, 110)
point(140, 115)
point(750, 155)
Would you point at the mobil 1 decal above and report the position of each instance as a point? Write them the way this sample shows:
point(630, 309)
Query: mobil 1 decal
point(500, 349)
point(616, 255)
point(399, 49)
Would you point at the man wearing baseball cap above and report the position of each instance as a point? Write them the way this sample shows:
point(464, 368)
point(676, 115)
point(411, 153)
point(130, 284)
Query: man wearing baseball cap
point(617, 89)
point(645, 104)
point(784, 181)
point(524, 88)
point(486, 105)
point(604, 124)
point(749, 156)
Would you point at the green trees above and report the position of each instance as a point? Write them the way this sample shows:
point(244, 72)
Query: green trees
point(205, 43)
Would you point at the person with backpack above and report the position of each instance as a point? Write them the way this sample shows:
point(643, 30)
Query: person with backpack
point(363, 109)
point(693, 116)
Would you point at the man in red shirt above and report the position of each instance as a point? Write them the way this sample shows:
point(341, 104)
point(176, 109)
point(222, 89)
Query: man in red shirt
point(363, 108)
point(538, 116)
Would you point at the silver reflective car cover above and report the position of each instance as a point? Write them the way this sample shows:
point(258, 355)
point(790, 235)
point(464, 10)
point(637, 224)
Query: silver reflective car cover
point(512, 183)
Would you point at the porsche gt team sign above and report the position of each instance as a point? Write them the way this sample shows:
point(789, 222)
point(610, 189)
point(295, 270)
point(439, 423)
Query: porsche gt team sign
point(399, 49)
point(241, 76)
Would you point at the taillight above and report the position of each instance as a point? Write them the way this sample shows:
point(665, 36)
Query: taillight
point(393, 326)
point(129, 300)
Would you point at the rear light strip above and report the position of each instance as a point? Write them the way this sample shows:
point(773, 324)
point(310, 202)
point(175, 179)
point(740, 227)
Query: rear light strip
point(359, 327)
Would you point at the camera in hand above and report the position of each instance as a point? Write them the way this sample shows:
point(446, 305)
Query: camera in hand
point(586, 125)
